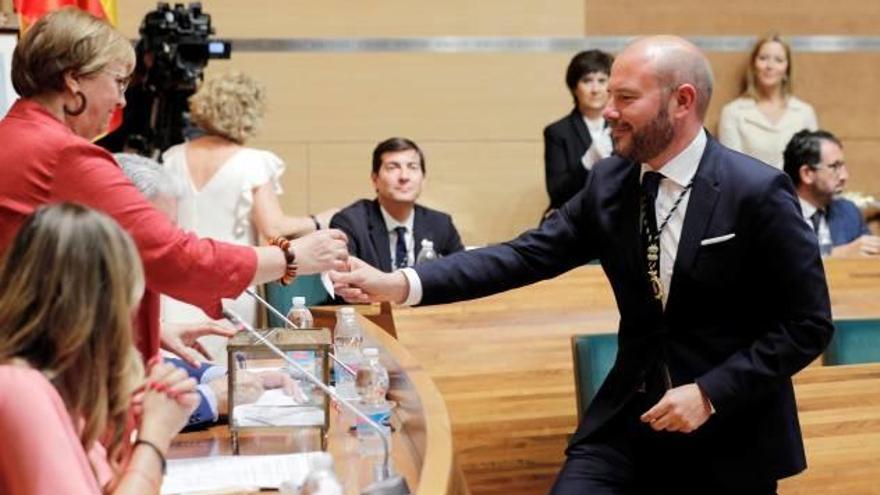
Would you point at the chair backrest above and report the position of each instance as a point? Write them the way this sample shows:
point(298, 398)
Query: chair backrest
point(593, 356)
point(855, 341)
point(281, 296)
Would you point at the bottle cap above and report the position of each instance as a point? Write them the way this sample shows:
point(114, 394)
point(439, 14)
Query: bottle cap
point(299, 301)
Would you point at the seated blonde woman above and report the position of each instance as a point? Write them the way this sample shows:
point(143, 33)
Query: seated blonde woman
point(232, 190)
point(69, 371)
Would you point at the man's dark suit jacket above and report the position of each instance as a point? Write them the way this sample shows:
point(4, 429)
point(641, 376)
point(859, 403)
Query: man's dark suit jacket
point(364, 225)
point(565, 142)
point(743, 315)
point(845, 222)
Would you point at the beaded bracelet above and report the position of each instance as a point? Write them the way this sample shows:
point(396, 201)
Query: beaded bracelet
point(289, 257)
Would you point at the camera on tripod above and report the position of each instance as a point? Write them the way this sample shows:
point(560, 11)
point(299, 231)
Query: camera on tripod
point(179, 42)
point(175, 46)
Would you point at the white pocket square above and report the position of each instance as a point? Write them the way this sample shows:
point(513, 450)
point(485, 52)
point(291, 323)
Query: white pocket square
point(716, 240)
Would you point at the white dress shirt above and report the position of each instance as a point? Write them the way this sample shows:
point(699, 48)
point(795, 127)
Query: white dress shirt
point(677, 172)
point(391, 223)
point(600, 137)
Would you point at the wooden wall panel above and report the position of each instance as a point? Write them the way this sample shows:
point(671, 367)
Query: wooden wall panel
point(733, 17)
point(370, 96)
point(388, 18)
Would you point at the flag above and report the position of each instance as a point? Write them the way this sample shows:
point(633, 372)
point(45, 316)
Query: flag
point(31, 10)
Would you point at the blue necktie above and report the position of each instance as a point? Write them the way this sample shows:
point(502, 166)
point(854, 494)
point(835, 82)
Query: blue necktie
point(400, 257)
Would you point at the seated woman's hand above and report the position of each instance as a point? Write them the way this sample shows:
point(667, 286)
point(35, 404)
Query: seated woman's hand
point(168, 399)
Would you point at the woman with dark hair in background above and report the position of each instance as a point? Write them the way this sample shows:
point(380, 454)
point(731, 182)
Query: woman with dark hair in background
point(71, 70)
point(764, 118)
point(575, 142)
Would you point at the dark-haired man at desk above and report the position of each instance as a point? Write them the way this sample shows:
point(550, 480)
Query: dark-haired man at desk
point(387, 232)
point(814, 160)
point(718, 281)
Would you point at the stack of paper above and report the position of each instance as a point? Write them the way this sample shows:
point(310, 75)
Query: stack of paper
point(255, 471)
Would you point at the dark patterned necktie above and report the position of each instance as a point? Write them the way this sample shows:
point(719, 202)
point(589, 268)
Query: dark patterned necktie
point(400, 256)
point(650, 185)
point(650, 236)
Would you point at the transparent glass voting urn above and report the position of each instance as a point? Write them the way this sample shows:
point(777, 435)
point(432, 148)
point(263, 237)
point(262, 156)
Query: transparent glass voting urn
point(279, 406)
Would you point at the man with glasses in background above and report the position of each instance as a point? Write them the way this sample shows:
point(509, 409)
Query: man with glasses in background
point(814, 161)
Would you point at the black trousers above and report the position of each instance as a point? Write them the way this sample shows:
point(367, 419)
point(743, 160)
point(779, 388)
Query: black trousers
point(627, 457)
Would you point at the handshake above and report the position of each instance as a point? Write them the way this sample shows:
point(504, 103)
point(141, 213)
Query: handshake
point(353, 279)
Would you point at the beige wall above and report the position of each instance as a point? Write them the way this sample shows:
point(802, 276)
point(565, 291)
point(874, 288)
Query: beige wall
point(479, 116)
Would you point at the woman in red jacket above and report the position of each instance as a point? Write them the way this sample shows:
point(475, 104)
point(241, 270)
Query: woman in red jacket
point(71, 70)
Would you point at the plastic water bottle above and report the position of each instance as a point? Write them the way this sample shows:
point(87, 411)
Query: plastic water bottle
point(321, 480)
point(372, 385)
point(427, 252)
point(347, 339)
point(299, 314)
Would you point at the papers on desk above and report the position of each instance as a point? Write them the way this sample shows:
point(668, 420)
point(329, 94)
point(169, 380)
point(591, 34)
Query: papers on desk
point(275, 408)
point(223, 472)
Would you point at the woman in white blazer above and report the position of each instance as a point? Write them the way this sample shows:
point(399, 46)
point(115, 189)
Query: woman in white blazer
point(765, 117)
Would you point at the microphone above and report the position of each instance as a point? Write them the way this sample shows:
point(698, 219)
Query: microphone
point(389, 484)
point(284, 318)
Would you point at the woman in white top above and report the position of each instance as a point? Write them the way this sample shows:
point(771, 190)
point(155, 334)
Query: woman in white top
point(764, 118)
point(232, 189)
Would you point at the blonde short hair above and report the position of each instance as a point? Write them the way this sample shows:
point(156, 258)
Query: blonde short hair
point(230, 105)
point(749, 86)
point(65, 40)
point(70, 280)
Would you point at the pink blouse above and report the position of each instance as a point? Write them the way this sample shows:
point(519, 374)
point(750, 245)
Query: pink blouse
point(41, 450)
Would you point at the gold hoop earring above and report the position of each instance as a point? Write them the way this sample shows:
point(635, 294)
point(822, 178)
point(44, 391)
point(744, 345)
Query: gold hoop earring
point(83, 103)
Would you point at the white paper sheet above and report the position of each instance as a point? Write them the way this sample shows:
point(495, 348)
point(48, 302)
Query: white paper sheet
point(219, 472)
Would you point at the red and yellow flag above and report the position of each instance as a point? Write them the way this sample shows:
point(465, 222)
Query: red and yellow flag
point(31, 10)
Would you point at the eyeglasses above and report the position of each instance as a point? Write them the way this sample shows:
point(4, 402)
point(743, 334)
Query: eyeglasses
point(122, 81)
point(835, 167)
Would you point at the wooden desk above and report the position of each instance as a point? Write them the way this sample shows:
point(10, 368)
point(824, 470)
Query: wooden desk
point(503, 365)
point(421, 446)
point(840, 416)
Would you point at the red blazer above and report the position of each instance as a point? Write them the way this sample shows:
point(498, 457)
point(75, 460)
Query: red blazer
point(42, 161)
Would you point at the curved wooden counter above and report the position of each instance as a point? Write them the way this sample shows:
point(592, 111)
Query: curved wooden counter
point(422, 448)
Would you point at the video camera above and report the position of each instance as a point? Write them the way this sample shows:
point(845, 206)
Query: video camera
point(178, 41)
point(175, 46)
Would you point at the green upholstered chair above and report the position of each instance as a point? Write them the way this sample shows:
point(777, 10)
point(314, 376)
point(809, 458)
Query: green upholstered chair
point(593, 357)
point(855, 341)
point(281, 296)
